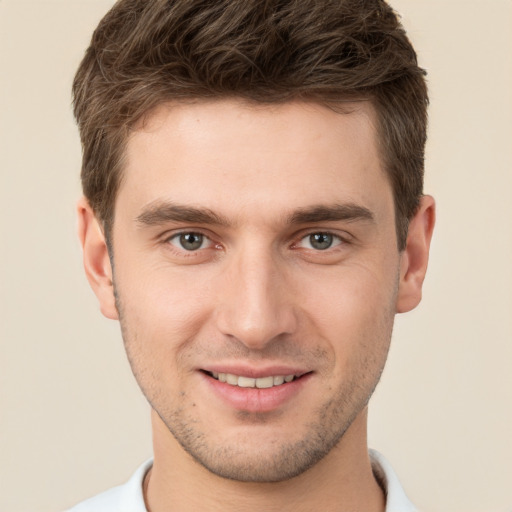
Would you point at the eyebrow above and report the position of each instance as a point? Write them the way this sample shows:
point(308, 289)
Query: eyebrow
point(161, 212)
point(338, 212)
point(157, 213)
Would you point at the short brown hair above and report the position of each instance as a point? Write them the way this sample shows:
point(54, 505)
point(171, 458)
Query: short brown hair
point(146, 52)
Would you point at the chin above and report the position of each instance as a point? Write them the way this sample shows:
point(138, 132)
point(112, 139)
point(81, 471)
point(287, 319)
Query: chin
point(261, 457)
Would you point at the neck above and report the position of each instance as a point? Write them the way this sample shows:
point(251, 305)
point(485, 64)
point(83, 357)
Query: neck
point(342, 481)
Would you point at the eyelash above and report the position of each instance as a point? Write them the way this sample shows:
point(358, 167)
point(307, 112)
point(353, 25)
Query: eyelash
point(176, 236)
point(337, 240)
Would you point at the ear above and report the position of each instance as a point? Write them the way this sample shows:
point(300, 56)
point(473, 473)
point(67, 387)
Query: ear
point(414, 258)
point(96, 259)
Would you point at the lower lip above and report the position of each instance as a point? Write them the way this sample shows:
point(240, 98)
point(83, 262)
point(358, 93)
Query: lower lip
point(255, 399)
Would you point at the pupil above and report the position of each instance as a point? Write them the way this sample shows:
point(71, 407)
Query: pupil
point(191, 241)
point(321, 241)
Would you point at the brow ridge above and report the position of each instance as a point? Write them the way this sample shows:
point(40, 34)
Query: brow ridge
point(161, 212)
point(349, 212)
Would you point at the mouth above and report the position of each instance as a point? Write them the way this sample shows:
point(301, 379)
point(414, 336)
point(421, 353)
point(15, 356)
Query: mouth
point(250, 382)
point(243, 381)
point(257, 391)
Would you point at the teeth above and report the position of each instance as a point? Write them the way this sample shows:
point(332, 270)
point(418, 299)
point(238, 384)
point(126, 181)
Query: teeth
point(245, 382)
point(249, 382)
point(232, 379)
point(263, 382)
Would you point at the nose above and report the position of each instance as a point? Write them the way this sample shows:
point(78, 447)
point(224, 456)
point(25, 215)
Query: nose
point(255, 303)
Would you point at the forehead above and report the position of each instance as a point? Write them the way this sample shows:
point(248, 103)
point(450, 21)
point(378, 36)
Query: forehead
point(237, 157)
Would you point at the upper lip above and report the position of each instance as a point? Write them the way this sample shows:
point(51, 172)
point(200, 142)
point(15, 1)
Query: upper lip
point(255, 372)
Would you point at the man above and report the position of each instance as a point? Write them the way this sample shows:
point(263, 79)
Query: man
point(254, 218)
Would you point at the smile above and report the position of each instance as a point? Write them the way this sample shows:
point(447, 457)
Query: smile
point(250, 382)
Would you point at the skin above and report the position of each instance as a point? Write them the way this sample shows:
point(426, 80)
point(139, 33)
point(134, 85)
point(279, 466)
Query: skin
point(254, 183)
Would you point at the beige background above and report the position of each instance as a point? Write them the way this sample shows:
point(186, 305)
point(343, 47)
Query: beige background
point(72, 419)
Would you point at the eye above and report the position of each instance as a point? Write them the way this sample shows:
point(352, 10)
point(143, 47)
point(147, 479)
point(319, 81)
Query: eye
point(190, 241)
point(320, 241)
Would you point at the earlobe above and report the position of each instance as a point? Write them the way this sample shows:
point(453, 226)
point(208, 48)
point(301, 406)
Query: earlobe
point(96, 258)
point(414, 259)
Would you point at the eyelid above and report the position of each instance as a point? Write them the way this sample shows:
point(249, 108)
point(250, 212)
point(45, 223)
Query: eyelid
point(336, 241)
point(170, 235)
point(205, 241)
point(343, 239)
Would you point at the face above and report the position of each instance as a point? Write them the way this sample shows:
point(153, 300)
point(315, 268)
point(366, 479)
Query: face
point(256, 274)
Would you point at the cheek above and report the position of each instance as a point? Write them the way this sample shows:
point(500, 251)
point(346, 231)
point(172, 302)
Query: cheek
point(353, 314)
point(158, 320)
point(161, 310)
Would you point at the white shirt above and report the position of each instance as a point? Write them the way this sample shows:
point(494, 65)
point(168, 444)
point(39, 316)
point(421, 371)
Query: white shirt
point(129, 496)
